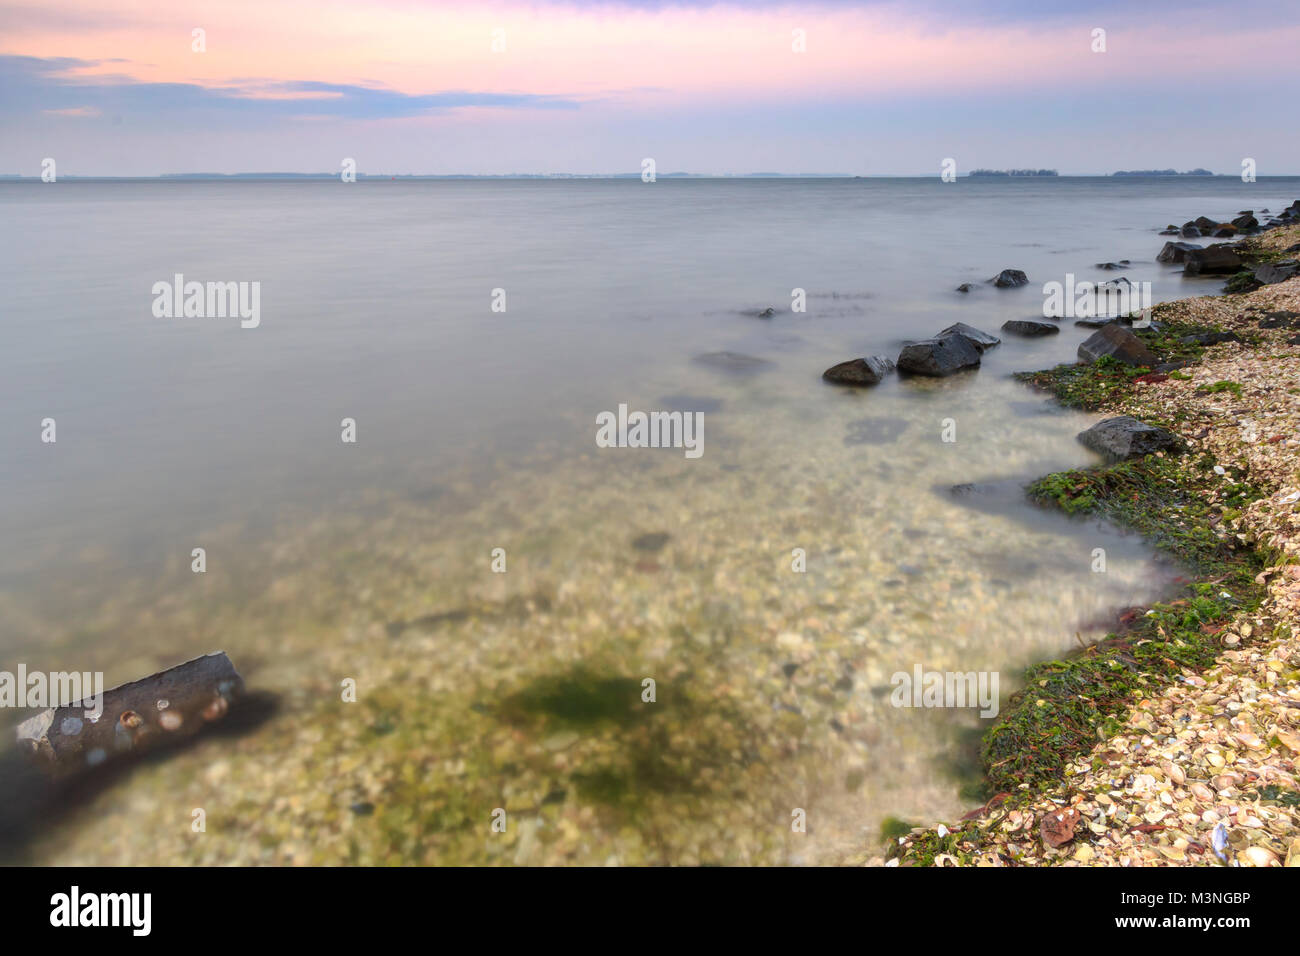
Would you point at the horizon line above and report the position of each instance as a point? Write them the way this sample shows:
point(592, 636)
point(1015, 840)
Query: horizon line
point(998, 174)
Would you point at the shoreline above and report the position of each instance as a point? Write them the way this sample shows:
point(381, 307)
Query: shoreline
point(1175, 741)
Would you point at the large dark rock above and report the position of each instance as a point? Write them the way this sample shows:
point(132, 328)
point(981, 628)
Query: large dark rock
point(1176, 251)
point(1273, 272)
point(981, 340)
point(859, 371)
point(1246, 221)
point(1029, 327)
point(1204, 223)
point(1126, 437)
point(1117, 342)
point(1009, 279)
point(939, 356)
point(1216, 260)
point(1189, 232)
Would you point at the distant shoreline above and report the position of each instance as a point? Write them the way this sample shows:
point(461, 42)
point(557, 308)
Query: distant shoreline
point(565, 177)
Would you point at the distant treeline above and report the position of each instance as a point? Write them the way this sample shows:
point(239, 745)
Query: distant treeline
point(1162, 172)
point(1013, 172)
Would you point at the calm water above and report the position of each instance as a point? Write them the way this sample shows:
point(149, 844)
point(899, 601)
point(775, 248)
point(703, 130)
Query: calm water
point(475, 430)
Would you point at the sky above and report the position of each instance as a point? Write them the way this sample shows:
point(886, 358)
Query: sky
point(144, 87)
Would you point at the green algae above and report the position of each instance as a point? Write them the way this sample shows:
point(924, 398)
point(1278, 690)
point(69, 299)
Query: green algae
point(1093, 385)
point(579, 698)
point(1068, 705)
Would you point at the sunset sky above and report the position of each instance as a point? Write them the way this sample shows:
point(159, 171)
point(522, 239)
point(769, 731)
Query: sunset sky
point(114, 87)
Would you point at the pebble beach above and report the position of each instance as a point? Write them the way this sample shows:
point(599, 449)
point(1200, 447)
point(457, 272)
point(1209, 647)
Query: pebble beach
point(1204, 769)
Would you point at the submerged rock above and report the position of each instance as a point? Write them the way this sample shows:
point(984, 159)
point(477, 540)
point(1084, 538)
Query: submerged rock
point(654, 541)
point(1030, 327)
point(733, 361)
point(133, 718)
point(860, 371)
point(691, 403)
point(981, 340)
point(939, 357)
point(874, 431)
point(1117, 342)
point(1125, 437)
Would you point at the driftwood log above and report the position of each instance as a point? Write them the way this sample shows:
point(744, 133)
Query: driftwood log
point(135, 717)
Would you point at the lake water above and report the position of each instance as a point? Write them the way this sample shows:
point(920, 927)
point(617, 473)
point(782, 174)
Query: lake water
point(371, 561)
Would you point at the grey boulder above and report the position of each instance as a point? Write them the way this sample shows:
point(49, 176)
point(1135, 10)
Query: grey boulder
point(1029, 327)
point(1125, 437)
point(1009, 279)
point(859, 371)
point(1216, 260)
point(1117, 342)
point(1176, 251)
point(1274, 272)
point(940, 356)
point(981, 340)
